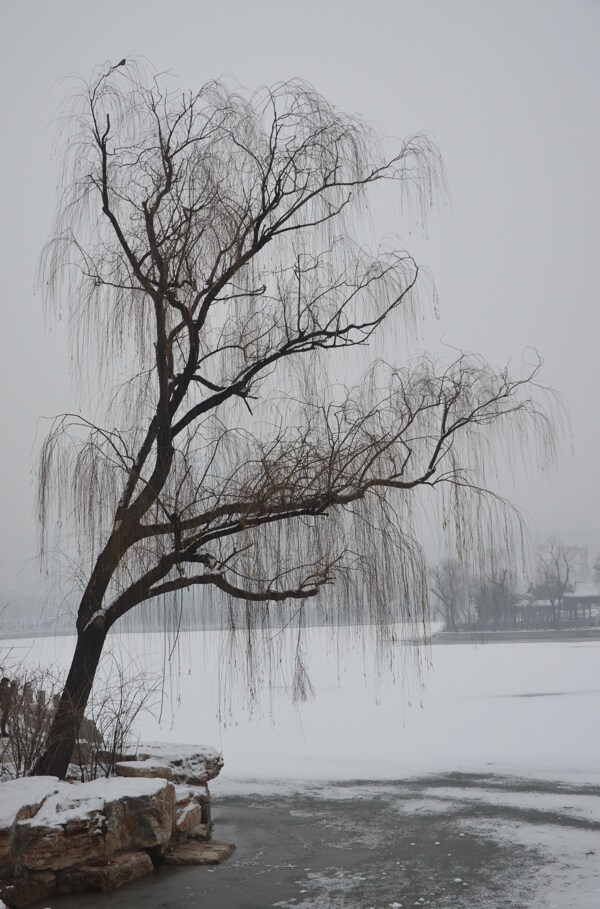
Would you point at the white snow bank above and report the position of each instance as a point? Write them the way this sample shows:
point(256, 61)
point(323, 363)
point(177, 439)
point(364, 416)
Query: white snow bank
point(61, 803)
point(168, 753)
point(75, 801)
point(523, 709)
point(179, 763)
point(17, 795)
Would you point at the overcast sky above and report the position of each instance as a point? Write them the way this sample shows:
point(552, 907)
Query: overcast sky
point(509, 90)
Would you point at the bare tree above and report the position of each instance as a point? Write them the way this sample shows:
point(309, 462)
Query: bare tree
point(204, 241)
point(495, 598)
point(554, 576)
point(450, 584)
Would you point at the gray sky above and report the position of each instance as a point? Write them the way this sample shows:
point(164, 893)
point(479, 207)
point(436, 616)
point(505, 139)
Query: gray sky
point(510, 91)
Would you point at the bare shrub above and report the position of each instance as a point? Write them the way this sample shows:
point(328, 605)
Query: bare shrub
point(28, 718)
point(108, 733)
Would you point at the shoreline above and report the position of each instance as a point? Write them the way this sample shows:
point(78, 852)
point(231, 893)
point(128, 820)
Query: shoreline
point(437, 637)
point(577, 635)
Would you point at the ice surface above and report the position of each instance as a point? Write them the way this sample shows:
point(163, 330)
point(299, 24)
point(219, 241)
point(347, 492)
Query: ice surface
point(507, 711)
point(525, 709)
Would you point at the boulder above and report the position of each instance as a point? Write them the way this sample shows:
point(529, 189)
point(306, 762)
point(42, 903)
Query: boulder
point(143, 819)
point(106, 874)
point(42, 846)
point(179, 763)
point(192, 811)
point(22, 891)
point(196, 852)
point(146, 769)
point(81, 823)
point(21, 799)
point(67, 837)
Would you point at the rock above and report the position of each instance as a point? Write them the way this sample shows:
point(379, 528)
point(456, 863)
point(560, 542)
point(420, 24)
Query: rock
point(185, 763)
point(20, 799)
point(7, 842)
point(147, 769)
point(188, 818)
point(143, 820)
point(106, 874)
point(54, 846)
point(192, 811)
point(84, 822)
point(69, 837)
point(22, 891)
point(202, 797)
point(196, 852)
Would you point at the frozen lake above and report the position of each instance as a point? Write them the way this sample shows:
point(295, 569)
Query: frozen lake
point(460, 840)
point(480, 788)
point(527, 709)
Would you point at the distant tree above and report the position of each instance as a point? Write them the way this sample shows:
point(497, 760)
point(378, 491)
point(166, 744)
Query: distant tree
point(554, 576)
point(451, 586)
point(495, 598)
point(205, 242)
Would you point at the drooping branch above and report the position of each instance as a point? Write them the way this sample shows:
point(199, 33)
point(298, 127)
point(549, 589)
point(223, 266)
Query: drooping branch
point(208, 245)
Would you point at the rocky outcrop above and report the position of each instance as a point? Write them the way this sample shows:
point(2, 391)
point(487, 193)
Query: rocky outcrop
point(192, 811)
point(196, 853)
point(59, 837)
point(106, 874)
point(178, 763)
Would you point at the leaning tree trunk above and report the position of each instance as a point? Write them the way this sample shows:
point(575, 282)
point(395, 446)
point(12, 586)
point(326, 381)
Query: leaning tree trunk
point(64, 731)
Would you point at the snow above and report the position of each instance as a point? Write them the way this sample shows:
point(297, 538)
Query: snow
point(163, 753)
point(524, 709)
point(62, 803)
point(568, 805)
point(17, 794)
point(73, 802)
point(511, 711)
point(99, 614)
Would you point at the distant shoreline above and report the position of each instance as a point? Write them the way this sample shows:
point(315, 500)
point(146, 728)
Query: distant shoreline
point(521, 637)
point(577, 635)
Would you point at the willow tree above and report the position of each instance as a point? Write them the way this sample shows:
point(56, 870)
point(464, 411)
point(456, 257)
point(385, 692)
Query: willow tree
point(206, 243)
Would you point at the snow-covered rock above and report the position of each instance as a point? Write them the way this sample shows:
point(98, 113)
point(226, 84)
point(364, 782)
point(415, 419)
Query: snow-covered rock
point(178, 763)
point(192, 810)
point(80, 822)
point(62, 837)
point(20, 799)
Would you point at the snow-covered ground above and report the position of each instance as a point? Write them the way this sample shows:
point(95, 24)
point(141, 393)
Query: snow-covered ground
point(517, 713)
point(523, 709)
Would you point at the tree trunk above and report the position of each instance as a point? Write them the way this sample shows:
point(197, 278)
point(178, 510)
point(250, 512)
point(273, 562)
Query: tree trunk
point(65, 726)
point(451, 621)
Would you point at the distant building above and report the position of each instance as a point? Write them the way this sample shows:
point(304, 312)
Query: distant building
point(580, 607)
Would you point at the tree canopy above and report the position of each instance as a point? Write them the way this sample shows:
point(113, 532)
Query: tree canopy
point(208, 244)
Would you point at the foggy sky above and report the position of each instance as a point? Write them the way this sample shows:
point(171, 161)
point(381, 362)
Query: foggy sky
point(510, 92)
